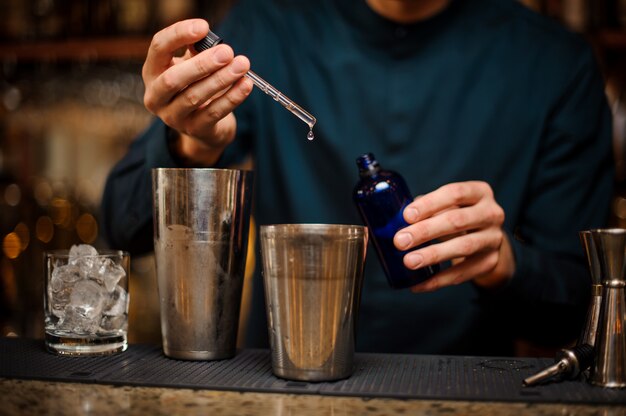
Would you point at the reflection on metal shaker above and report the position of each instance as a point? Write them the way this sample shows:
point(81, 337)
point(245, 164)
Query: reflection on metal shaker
point(201, 223)
point(313, 276)
point(588, 334)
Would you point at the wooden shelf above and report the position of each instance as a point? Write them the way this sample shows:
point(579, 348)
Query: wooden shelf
point(77, 49)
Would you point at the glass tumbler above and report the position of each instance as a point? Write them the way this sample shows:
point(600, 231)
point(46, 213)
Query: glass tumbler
point(86, 301)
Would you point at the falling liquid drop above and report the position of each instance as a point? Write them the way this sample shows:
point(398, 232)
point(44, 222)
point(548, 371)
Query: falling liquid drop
point(310, 136)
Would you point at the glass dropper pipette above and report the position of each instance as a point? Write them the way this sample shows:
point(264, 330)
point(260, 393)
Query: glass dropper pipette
point(212, 39)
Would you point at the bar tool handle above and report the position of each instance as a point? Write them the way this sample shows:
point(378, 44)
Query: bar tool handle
point(569, 364)
point(546, 373)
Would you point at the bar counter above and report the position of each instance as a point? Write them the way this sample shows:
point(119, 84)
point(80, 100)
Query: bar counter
point(143, 381)
point(31, 397)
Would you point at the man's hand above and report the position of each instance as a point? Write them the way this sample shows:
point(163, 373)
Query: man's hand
point(467, 221)
point(195, 94)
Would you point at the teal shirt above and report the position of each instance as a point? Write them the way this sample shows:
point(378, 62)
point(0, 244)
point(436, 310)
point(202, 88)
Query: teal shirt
point(486, 90)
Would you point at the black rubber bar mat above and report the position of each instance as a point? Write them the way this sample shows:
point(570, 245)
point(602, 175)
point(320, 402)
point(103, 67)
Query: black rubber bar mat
point(375, 375)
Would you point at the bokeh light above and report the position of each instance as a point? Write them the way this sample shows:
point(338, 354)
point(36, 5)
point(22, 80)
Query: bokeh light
point(44, 229)
point(11, 245)
point(61, 212)
point(13, 195)
point(23, 233)
point(43, 193)
point(87, 228)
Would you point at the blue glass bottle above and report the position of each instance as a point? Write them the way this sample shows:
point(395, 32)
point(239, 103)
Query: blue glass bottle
point(381, 196)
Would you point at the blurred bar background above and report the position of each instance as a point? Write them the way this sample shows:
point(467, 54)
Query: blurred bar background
point(71, 102)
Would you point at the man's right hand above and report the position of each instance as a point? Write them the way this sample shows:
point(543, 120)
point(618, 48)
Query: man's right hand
point(196, 93)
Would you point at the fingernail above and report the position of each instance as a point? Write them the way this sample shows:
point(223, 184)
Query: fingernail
point(239, 66)
point(222, 55)
point(411, 214)
point(414, 260)
point(196, 27)
point(403, 240)
point(249, 85)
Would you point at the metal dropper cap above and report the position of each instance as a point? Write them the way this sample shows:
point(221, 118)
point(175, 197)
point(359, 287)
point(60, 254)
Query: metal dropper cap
point(207, 42)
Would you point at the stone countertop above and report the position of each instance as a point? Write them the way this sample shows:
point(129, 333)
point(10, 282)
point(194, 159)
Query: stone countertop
point(30, 397)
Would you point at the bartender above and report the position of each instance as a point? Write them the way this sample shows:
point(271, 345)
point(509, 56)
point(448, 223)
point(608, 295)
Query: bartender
point(496, 116)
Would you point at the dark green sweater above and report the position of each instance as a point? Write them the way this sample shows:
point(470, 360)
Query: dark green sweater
point(486, 90)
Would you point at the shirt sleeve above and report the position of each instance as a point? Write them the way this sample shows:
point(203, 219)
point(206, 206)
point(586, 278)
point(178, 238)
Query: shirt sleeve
point(126, 209)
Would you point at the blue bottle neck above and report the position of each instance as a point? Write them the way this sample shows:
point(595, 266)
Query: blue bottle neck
point(368, 166)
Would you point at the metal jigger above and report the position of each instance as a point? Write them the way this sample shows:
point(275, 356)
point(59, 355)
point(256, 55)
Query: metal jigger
point(588, 334)
point(609, 368)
